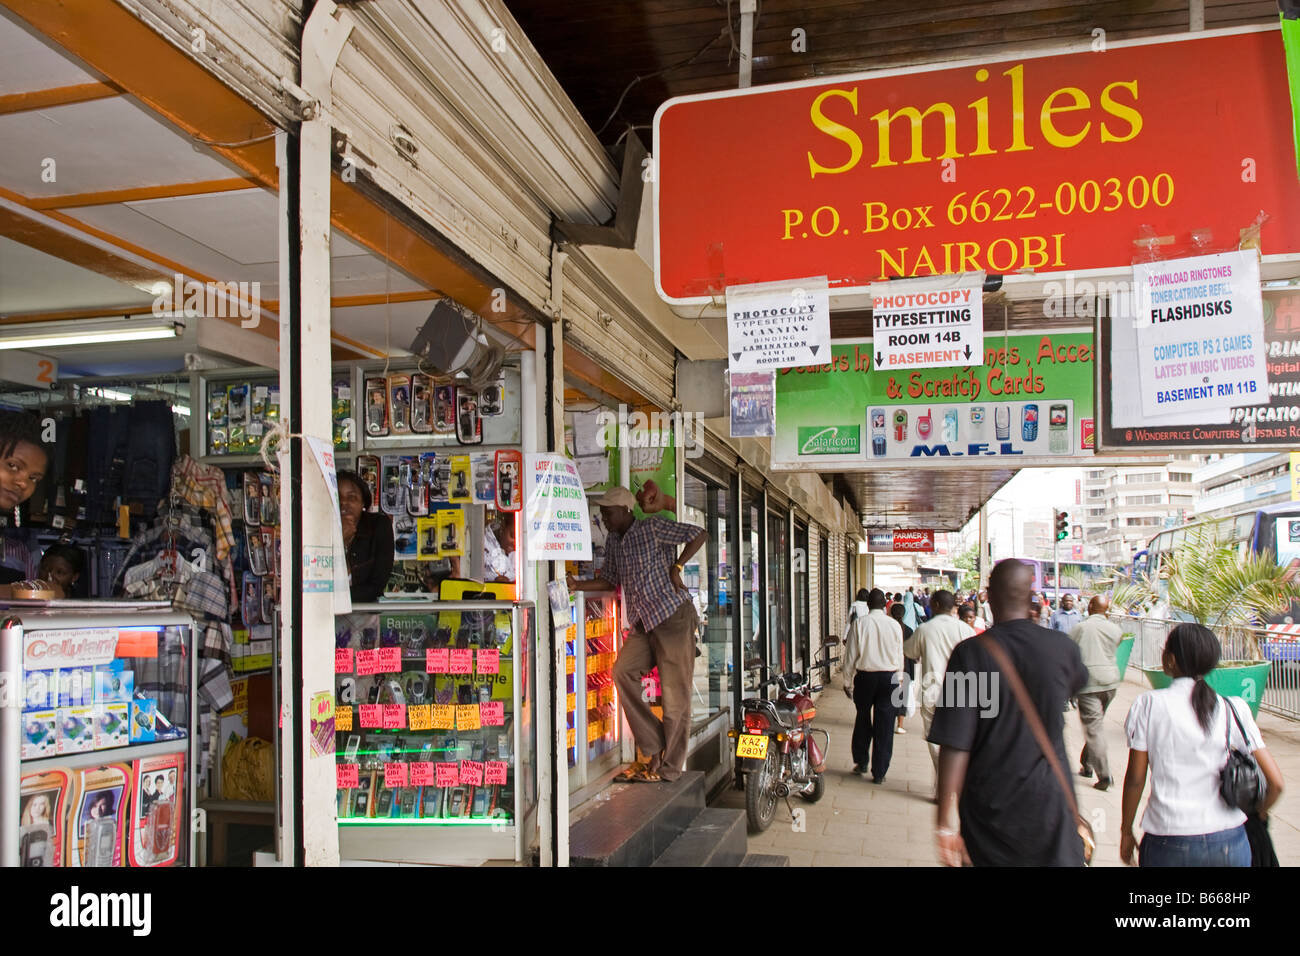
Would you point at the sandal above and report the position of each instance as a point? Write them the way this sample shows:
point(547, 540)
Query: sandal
point(630, 773)
point(646, 775)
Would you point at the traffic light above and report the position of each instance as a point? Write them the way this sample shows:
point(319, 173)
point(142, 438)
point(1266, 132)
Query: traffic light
point(1062, 525)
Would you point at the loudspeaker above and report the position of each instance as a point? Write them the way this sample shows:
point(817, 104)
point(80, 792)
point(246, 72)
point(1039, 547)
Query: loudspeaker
point(448, 339)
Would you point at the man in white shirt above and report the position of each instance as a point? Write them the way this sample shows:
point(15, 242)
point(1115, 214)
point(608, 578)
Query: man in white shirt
point(873, 664)
point(931, 643)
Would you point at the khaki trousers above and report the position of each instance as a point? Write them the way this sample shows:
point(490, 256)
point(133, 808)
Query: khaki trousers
point(671, 646)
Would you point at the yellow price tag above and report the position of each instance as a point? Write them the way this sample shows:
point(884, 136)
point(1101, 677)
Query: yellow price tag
point(443, 716)
point(420, 716)
point(467, 717)
point(343, 717)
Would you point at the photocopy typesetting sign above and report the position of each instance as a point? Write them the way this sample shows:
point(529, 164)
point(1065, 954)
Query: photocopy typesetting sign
point(1200, 334)
point(1050, 162)
point(778, 324)
point(921, 325)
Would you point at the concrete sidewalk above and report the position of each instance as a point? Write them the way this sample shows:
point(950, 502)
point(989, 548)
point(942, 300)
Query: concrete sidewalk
point(858, 823)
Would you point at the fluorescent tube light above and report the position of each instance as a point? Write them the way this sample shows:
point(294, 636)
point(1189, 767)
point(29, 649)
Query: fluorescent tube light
point(31, 337)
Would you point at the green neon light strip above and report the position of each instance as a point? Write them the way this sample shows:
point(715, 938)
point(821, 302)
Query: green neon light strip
point(1291, 43)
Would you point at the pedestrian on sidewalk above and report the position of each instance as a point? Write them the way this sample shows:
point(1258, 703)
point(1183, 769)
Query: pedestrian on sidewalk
point(909, 609)
point(873, 662)
point(1181, 734)
point(1068, 617)
point(641, 556)
point(909, 669)
point(985, 612)
point(931, 645)
point(1013, 809)
point(1098, 638)
point(966, 614)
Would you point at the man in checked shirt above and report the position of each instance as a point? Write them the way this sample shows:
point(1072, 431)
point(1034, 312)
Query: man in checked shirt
point(641, 556)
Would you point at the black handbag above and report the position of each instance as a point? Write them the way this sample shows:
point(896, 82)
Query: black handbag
point(1241, 781)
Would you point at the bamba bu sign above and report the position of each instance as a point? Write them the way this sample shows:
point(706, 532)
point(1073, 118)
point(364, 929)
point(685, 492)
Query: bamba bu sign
point(1047, 163)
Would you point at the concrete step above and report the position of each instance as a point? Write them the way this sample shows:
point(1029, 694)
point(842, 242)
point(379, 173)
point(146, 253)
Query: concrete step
point(637, 822)
point(716, 837)
point(764, 859)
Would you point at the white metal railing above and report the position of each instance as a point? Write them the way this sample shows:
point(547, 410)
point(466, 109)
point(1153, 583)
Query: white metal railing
point(1279, 645)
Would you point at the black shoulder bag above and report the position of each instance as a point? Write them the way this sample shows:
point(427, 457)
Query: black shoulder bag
point(1241, 782)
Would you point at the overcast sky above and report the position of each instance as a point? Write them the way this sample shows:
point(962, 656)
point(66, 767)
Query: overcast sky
point(1029, 496)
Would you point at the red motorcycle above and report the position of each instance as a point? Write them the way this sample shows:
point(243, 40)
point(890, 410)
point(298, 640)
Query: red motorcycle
point(777, 753)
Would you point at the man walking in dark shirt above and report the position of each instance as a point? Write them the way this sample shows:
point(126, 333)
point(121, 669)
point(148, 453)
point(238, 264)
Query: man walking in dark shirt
point(991, 769)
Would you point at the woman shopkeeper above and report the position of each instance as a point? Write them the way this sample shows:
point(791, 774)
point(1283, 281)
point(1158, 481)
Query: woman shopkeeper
point(368, 538)
point(23, 460)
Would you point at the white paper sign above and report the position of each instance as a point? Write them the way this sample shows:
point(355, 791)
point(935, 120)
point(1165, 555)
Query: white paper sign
point(774, 325)
point(322, 452)
point(555, 510)
point(1200, 334)
point(928, 323)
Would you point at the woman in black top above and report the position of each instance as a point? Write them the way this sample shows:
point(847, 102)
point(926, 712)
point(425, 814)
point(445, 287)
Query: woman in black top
point(367, 537)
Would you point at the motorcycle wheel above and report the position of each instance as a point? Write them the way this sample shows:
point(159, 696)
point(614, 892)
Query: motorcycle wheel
point(817, 790)
point(760, 793)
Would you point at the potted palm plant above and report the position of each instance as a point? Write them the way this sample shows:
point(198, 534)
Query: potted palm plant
point(1232, 594)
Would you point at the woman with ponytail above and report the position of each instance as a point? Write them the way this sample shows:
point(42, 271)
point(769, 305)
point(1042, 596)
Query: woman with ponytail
point(1180, 733)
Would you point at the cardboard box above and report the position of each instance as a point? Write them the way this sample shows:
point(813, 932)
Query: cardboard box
point(114, 684)
point(40, 690)
point(76, 686)
point(112, 725)
point(40, 734)
point(76, 730)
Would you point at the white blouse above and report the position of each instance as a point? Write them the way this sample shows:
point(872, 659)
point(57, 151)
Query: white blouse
point(1185, 760)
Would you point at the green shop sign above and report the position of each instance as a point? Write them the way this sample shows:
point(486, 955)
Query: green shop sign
point(1031, 402)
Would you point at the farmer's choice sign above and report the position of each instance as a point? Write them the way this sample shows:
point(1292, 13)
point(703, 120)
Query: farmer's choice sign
point(1045, 162)
point(1030, 402)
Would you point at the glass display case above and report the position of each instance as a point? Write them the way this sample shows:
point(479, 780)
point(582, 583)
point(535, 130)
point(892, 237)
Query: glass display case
point(99, 770)
point(434, 737)
point(594, 730)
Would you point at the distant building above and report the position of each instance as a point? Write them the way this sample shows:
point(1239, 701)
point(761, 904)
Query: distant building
point(1036, 539)
point(1233, 484)
point(1124, 507)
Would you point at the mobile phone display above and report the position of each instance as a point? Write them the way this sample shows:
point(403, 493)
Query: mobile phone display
point(1002, 421)
point(1058, 419)
point(1029, 422)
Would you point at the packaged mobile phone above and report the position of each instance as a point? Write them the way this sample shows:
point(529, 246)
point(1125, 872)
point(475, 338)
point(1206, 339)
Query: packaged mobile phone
point(217, 405)
point(257, 407)
point(269, 592)
point(342, 414)
point(399, 403)
point(469, 426)
point(484, 478)
point(376, 407)
point(270, 500)
point(437, 477)
point(218, 441)
point(417, 498)
point(421, 403)
point(256, 552)
point(444, 409)
point(237, 411)
point(239, 440)
point(509, 466)
point(272, 404)
point(393, 493)
point(250, 605)
point(368, 469)
point(252, 499)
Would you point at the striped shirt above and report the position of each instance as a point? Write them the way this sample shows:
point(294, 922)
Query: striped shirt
point(640, 561)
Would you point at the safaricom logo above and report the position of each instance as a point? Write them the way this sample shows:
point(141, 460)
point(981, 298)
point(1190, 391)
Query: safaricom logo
point(831, 440)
